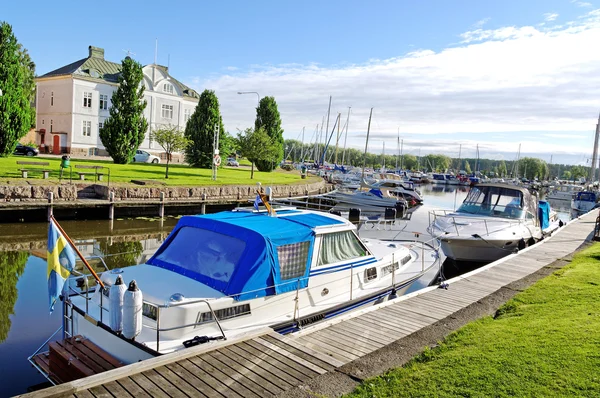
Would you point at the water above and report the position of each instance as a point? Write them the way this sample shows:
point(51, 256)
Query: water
point(25, 322)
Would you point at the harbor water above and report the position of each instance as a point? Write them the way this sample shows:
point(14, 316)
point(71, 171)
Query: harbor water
point(25, 322)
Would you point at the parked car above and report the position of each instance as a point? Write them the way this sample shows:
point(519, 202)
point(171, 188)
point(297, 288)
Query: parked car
point(232, 162)
point(26, 150)
point(145, 157)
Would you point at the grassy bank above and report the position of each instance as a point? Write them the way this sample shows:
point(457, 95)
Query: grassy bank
point(544, 342)
point(180, 175)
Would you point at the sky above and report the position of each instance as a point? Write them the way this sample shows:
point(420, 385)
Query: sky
point(445, 76)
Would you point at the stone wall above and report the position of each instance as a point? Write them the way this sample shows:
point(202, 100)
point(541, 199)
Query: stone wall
point(227, 192)
point(27, 193)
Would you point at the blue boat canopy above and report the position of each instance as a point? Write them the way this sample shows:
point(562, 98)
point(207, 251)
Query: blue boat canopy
point(586, 196)
point(243, 254)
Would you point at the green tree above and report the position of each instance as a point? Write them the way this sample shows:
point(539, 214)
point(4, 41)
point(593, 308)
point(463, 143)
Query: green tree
point(467, 167)
point(16, 74)
point(502, 168)
point(409, 162)
point(200, 130)
point(125, 128)
point(268, 118)
point(171, 139)
point(228, 145)
point(257, 146)
point(577, 172)
point(567, 175)
point(12, 265)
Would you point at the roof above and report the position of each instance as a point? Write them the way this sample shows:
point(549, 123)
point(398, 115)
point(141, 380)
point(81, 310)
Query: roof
point(524, 190)
point(96, 68)
point(238, 252)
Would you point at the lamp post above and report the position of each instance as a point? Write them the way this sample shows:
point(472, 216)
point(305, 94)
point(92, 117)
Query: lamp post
point(251, 92)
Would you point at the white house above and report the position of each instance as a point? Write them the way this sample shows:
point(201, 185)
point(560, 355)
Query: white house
point(73, 101)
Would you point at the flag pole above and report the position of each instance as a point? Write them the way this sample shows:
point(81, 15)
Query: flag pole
point(89, 267)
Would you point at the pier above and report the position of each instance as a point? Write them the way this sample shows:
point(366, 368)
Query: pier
point(266, 364)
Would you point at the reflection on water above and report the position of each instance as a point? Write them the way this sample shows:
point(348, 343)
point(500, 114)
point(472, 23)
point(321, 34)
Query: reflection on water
point(12, 266)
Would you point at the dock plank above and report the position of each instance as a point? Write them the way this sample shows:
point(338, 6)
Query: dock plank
point(164, 384)
point(297, 356)
point(263, 360)
point(228, 376)
point(324, 348)
point(203, 388)
point(295, 368)
point(180, 382)
point(150, 388)
point(322, 360)
point(218, 381)
point(344, 346)
point(132, 388)
point(342, 334)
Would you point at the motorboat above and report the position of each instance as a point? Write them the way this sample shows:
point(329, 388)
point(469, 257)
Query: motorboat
point(584, 201)
point(398, 188)
point(223, 275)
point(368, 199)
point(563, 191)
point(493, 221)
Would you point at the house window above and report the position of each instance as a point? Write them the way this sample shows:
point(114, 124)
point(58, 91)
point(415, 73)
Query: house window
point(43, 121)
point(52, 98)
point(187, 114)
point(87, 128)
point(87, 100)
point(50, 125)
point(103, 102)
point(100, 125)
point(292, 260)
point(167, 111)
point(168, 88)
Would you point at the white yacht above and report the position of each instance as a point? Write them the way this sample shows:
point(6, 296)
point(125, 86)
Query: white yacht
point(584, 201)
point(222, 275)
point(493, 221)
point(563, 191)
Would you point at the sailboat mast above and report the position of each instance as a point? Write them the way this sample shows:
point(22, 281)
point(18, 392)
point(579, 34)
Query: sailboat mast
point(595, 152)
point(459, 153)
point(302, 151)
point(327, 127)
point(337, 138)
point(398, 147)
point(366, 146)
point(402, 154)
point(346, 136)
point(383, 156)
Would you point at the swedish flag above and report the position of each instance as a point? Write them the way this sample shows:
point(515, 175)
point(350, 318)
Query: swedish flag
point(61, 261)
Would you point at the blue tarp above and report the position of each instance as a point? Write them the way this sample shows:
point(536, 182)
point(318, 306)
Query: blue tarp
point(249, 242)
point(376, 192)
point(544, 213)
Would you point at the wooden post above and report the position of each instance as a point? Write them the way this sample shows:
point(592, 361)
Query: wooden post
point(111, 207)
point(203, 209)
point(161, 206)
point(50, 200)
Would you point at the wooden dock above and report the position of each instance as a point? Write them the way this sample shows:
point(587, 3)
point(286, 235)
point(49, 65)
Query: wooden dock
point(265, 364)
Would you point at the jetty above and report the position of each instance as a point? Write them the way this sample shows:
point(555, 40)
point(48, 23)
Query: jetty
point(266, 364)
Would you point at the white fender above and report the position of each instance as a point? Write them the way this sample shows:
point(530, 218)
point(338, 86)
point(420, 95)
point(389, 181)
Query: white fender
point(132, 311)
point(116, 304)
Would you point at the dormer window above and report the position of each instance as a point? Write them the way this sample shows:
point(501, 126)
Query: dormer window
point(168, 88)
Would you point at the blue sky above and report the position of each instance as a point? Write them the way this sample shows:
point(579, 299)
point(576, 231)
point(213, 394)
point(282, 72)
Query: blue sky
point(444, 73)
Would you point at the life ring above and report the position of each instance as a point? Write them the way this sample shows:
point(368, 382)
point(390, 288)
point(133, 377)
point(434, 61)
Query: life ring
point(217, 160)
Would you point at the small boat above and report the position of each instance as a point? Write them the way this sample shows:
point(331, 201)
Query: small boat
point(222, 275)
point(373, 200)
point(584, 201)
point(563, 191)
point(493, 221)
point(398, 188)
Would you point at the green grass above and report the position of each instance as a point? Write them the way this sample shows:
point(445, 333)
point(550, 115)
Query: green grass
point(179, 175)
point(545, 342)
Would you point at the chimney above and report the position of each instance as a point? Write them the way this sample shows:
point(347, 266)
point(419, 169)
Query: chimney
point(96, 52)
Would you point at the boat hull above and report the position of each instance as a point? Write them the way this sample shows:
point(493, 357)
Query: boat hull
point(477, 250)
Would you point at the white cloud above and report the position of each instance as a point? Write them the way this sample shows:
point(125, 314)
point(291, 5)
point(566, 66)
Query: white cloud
point(481, 22)
point(549, 17)
point(579, 3)
point(505, 80)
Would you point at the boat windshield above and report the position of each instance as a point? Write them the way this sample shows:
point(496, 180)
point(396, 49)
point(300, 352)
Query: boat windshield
point(202, 252)
point(493, 201)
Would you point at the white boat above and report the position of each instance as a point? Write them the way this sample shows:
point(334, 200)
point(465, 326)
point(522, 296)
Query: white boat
point(368, 201)
point(493, 221)
point(222, 275)
point(563, 192)
point(398, 187)
point(584, 201)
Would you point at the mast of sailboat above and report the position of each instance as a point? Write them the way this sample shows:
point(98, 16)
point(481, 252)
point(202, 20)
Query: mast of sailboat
point(398, 147)
point(517, 163)
point(327, 127)
point(383, 157)
point(459, 153)
point(316, 148)
point(346, 136)
point(595, 152)
point(366, 147)
point(402, 154)
point(302, 151)
point(337, 139)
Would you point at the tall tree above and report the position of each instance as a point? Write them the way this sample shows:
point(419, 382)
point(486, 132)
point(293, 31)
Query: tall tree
point(125, 128)
point(200, 130)
point(257, 146)
point(171, 139)
point(467, 167)
point(502, 168)
point(268, 118)
point(16, 76)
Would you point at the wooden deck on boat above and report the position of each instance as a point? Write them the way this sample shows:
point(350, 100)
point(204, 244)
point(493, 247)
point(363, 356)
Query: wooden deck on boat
point(74, 358)
point(265, 363)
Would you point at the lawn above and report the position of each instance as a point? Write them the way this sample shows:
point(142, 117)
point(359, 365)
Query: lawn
point(180, 175)
point(545, 342)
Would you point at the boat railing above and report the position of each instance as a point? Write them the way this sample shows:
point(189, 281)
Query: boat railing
point(44, 344)
point(505, 222)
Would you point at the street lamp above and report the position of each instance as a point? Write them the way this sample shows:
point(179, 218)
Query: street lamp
point(252, 92)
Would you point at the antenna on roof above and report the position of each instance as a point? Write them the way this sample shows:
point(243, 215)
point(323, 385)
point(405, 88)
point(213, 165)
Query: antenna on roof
point(129, 53)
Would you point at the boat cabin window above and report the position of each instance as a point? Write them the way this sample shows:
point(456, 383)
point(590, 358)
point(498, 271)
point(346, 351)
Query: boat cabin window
point(340, 246)
point(293, 259)
point(494, 201)
point(370, 274)
point(204, 252)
